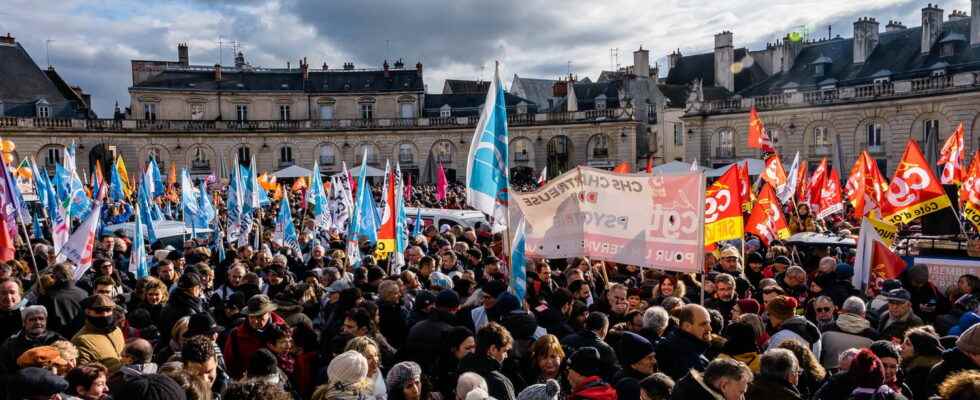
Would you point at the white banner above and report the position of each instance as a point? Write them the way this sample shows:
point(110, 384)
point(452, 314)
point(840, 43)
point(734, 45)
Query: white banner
point(637, 219)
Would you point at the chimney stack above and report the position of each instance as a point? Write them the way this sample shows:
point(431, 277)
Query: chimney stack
point(932, 26)
point(724, 56)
point(418, 67)
point(240, 60)
point(182, 55)
point(974, 22)
point(305, 69)
point(641, 62)
point(894, 26)
point(674, 58)
point(217, 72)
point(385, 67)
point(957, 15)
point(865, 38)
point(8, 39)
point(792, 46)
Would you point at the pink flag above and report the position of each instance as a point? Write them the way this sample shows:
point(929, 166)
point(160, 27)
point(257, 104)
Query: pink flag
point(441, 184)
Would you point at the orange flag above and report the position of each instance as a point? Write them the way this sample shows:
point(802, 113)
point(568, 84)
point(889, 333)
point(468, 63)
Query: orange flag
point(774, 173)
point(299, 184)
point(854, 187)
point(885, 264)
point(951, 158)
point(758, 137)
point(745, 187)
point(802, 183)
point(649, 168)
point(622, 168)
point(722, 209)
point(767, 221)
point(830, 196)
point(914, 190)
point(970, 192)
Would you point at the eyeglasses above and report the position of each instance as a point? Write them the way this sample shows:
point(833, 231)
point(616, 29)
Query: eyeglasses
point(824, 309)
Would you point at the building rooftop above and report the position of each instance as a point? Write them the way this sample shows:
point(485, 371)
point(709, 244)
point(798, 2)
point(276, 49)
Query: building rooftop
point(320, 81)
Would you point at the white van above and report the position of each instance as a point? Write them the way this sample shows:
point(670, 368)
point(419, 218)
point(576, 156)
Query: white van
point(440, 216)
point(169, 233)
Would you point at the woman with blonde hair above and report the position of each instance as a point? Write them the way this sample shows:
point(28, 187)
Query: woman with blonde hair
point(346, 378)
point(69, 353)
point(367, 347)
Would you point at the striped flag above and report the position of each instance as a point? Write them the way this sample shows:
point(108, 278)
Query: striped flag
point(486, 166)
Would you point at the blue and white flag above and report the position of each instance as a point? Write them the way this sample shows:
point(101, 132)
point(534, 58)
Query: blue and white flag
point(204, 204)
point(366, 219)
point(518, 264)
point(789, 189)
point(145, 218)
point(137, 251)
point(117, 191)
point(218, 245)
point(401, 222)
point(486, 166)
point(285, 234)
point(157, 187)
point(40, 179)
point(417, 228)
point(317, 198)
point(36, 226)
point(189, 204)
point(234, 204)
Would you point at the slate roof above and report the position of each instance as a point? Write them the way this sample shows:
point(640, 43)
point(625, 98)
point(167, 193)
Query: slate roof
point(464, 105)
point(537, 91)
point(586, 94)
point(331, 81)
point(702, 66)
point(23, 84)
point(897, 57)
point(458, 86)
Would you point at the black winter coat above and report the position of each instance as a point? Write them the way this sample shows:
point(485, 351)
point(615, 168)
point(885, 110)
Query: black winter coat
point(64, 305)
point(766, 388)
point(575, 341)
point(19, 344)
point(180, 305)
point(425, 342)
point(498, 386)
point(953, 361)
point(681, 352)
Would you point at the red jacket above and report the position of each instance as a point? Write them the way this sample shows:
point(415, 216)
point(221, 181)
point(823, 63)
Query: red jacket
point(242, 342)
point(593, 388)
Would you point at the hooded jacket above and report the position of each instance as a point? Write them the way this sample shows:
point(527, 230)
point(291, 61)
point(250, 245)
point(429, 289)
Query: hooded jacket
point(593, 388)
point(586, 338)
point(498, 386)
point(797, 327)
point(848, 331)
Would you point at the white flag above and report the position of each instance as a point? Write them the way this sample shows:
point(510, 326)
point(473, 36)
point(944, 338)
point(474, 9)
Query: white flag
point(789, 189)
point(79, 247)
point(865, 247)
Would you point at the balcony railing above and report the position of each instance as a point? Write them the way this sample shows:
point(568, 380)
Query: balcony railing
point(600, 153)
point(328, 160)
point(178, 126)
point(521, 156)
point(725, 152)
point(821, 150)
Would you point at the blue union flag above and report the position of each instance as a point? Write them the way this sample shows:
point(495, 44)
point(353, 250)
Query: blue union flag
point(486, 168)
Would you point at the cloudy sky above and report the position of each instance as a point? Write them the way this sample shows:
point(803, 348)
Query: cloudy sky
point(92, 42)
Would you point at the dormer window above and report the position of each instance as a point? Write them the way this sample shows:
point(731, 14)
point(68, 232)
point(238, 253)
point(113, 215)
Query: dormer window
point(818, 70)
point(445, 111)
point(43, 109)
point(881, 81)
point(600, 102)
point(522, 108)
point(938, 73)
point(948, 50)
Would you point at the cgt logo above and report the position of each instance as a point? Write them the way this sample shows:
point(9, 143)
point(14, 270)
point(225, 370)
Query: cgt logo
point(904, 189)
point(716, 204)
point(588, 197)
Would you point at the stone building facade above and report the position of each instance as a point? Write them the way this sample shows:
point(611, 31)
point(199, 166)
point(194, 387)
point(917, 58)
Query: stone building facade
point(836, 97)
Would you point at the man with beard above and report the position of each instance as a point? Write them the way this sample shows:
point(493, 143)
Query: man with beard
point(34, 334)
point(248, 337)
point(724, 299)
point(11, 302)
point(100, 340)
point(167, 273)
point(730, 263)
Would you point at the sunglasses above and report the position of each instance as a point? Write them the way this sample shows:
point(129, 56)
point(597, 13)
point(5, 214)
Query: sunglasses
point(824, 309)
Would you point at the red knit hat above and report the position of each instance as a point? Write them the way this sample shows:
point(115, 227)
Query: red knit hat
point(866, 370)
point(748, 306)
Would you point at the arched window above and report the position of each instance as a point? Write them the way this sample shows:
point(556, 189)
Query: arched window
point(52, 155)
point(328, 155)
point(821, 141)
point(599, 147)
point(286, 156)
point(724, 143)
point(200, 164)
point(244, 155)
point(874, 138)
point(406, 153)
point(443, 151)
point(372, 153)
point(559, 154)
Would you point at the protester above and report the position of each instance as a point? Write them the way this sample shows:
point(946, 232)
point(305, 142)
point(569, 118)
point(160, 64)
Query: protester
point(779, 373)
point(684, 349)
point(722, 379)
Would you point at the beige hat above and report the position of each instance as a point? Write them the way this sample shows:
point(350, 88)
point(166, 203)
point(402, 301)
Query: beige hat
point(348, 368)
point(969, 341)
point(730, 252)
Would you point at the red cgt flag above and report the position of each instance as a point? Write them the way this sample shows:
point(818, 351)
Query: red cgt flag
point(951, 158)
point(830, 196)
point(815, 185)
point(722, 209)
point(774, 173)
point(745, 187)
point(915, 191)
point(622, 168)
point(758, 136)
point(767, 221)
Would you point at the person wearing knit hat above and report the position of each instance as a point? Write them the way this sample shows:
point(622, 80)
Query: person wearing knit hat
point(151, 387)
point(635, 354)
point(867, 373)
point(745, 306)
point(346, 377)
point(262, 367)
point(404, 381)
point(583, 375)
point(789, 326)
point(35, 383)
point(541, 391)
point(46, 357)
point(891, 358)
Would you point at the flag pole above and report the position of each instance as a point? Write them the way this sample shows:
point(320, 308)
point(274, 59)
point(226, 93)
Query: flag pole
point(30, 247)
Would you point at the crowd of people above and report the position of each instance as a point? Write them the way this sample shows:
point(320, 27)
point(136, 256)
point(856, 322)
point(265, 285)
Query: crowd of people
point(272, 323)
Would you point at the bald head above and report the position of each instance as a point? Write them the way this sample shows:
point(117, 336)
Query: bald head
point(140, 351)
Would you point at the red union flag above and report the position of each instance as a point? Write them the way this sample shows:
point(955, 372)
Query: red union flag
point(951, 158)
point(722, 209)
point(775, 174)
point(758, 137)
point(767, 220)
point(745, 187)
point(970, 192)
point(854, 187)
point(815, 185)
point(830, 196)
point(914, 190)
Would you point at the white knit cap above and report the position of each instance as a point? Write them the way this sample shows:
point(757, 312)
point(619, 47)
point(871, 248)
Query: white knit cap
point(348, 368)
